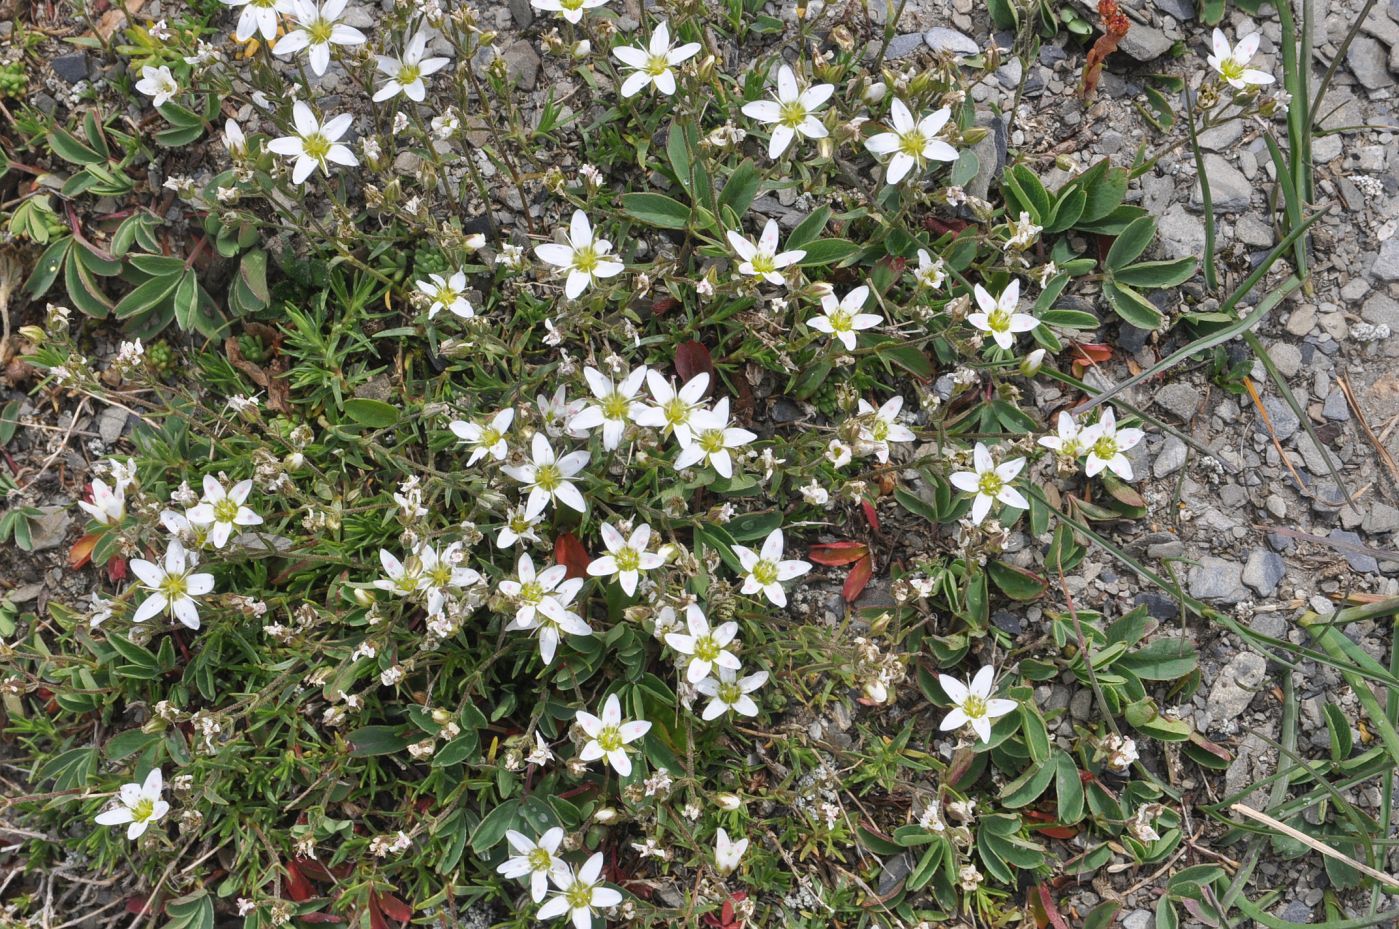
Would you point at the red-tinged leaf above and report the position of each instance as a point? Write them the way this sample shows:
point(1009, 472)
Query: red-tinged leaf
point(395, 908)
point(1093, 352)
point(298, 886)
point(319, 918)
point(1059, 832)
point(1213, 748)
point(940, 226)
point(692, 358)
point(81, 552)
point(137, 905)
point(1045, 899)
point(664, 305)
point(834, 554)
point(871, 514)
point(116, 569)
point(857, 579)
point(569, 552)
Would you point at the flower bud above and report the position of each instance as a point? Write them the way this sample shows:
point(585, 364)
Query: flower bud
point(728, 802)
point(1030, 365)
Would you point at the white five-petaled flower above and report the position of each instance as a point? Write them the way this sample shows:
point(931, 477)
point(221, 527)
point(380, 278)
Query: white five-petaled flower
point(222, 509)
point(707, 648)
point(728, 853)
point(441, 570)
point(571, 10)
point(793, 111)
point(766, 571)
point(579, 894)
point(542, 601)
point(487, 439)
point(712, 439)
point(652, 65)
point(842, 318)
point(615, 405)
point(626, 557)
point(673, 409)
point(881, 426)
point(1068, 444)
point(315, 144)
point(401, 578)
point(729, 692)
point(549, 477)
point(518, 528)
point(140, 806)
point(1230, 62)
point(973, 703)
point(930, 272)
point(998, 315)
point(447, 293)
point(912, 142)
point(1105, 444)
point(990, 482)
point(258, 16)
point(609, 735)
point(584, 257)
point(318, 28)
point(158, 83)
point(173, 585)
point(557, 411)
point(406, 72)
point(763, 259)
point(108, 505)
point(534, 860)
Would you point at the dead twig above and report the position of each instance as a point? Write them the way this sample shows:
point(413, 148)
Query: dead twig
point(1322, 847)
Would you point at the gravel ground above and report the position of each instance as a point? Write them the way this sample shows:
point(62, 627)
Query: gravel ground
point(1258, 528)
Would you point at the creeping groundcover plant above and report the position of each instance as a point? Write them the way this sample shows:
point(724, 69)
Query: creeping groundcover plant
point(652, 582)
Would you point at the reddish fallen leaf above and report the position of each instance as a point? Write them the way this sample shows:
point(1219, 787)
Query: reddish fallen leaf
point(663, 305)
point(1046, 903)
point(1213, 748)
point(1093, 351)
point(727, 918)
point(871, 515)
point(1115, 26)
point(834, 554)
point(81, 552)
point(116, 569)
point(298, 887)
point(395, 908)
point(941, 226)
point(692, 358)
point(319, 918)
point(136, 905)
point(1059, 832)
point(857, 579)
point(569, 552)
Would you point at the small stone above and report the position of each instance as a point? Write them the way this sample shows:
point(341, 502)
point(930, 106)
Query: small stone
point(522, 64)
point(990, 154)
point(1182, 10)
point(942, 39)
point(1351, 548)
point(71, 68)
point(1336, 408)
point(110, 424)
point(1006, 621)
point(1157, 605)
point(1217, 580)
point(1296, 912)
point(1138, 919)
point(1368, 60)
point(1276, 506)
point(522, 11)
point(1287, 357)
point(1160, 551)
point(1283, 421)
point(1264, 570)
point(1381, 518)
point(1381, 309)
point(1386, 266)
point(1222, 138)
point(1302, 320)
point(901, 46)
point(1230, 191)
point(1170, 459)
point(48, 529)
point(1182, 235)
point(1009, 74)
point(1181, 400)
point(1236, 686)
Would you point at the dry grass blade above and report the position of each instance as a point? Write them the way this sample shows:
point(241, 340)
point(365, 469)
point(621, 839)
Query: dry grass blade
point(1272, 434)
point(1322, 847)
point(1379, 447)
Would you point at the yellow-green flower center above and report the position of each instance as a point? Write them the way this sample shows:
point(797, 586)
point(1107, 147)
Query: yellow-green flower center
point(585, 259)
point(990, 484)
point(540, 860)
point(143, 810)
point(548, 477)
point(316, 146)
point(1231, 70)
point(840, 320)
point(763, 263)
point(656, 65)
point(406, 582)
point(226, 510)
point(765, 572)
point(571, 4)
point(446, 295)
point(320, 31)
point(793, 114)
point(1105, 448)
point(974, 706)
point(531, 592)
point(712, 440)
point(489, 436)
point(879, 430)
point(610, 739)
point(729, 692)
point(580, 895)
point(676, 411)
point(912, 143)
point(628, 559)
point(174, 587)
point(615, 406)
point(998, 320)
point(706, 649)
point(407, 74)
point(518, 523)
point(440, 575)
